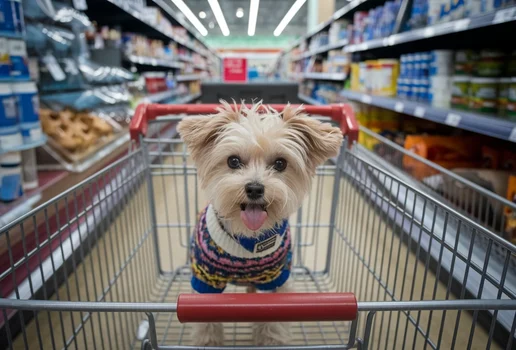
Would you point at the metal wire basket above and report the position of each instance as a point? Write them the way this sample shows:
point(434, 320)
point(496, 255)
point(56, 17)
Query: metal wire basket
point(105, 264)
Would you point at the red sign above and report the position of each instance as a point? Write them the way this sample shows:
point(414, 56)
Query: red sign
point(235, 69)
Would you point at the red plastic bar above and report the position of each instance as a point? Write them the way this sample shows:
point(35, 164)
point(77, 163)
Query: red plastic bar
point(266, 307)
point(341, 113)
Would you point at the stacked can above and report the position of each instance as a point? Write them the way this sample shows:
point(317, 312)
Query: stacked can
point(424, 77)
point(441, 70)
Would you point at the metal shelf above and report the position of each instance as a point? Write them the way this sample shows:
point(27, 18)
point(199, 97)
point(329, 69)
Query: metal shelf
point(337, 15)
point(308, 99)
point(188, 77)
point(155, 62)
point(188, 99)
point(482, 21)
point(160, 96)
point(480, 123)
point(134, 13)
point(25, 146)
point(321, 49)
point(325, 76)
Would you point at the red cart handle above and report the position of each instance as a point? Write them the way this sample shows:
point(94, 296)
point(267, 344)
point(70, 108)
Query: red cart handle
point(341, 113)
point(267, 307)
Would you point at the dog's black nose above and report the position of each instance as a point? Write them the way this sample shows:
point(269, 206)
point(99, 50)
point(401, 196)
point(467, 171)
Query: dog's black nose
point(254, 190)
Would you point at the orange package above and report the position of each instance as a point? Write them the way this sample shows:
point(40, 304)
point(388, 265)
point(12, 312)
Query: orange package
point(446, 151)
point(510, 215)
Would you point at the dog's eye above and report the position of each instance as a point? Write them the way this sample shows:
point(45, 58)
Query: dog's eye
point(280, 164)
point(234, 162)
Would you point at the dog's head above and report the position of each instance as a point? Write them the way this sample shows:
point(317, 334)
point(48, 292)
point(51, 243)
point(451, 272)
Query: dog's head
point(256, 168)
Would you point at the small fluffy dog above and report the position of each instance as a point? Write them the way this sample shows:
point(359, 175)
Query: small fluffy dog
point(256, 166)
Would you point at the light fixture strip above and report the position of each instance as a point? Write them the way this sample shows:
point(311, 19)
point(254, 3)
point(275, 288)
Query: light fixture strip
point(191, 17)
point(253, 16)
point(288, 17)
point(219, 16)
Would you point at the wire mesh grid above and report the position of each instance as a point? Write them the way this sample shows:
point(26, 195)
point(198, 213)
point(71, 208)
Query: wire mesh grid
point(360, 230)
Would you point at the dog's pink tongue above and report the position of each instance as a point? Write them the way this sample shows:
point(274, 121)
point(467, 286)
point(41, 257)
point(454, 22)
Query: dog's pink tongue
point(253, 217)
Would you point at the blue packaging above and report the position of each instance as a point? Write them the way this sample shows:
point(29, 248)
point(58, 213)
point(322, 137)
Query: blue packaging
point(6, 16)
point(5, 62)
point(17, 16)
point(26, 94)
point(9, 127)
point(10, 177)
point(19, 60)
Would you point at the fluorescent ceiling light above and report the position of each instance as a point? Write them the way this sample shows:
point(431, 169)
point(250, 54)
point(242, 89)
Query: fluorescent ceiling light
point(219, 16)
point(288, 17)
point(240, 12)
point(253, 15)
point(202, 14)
point(191, 17)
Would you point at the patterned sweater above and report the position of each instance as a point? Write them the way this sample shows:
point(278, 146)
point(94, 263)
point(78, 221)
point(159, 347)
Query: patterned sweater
point(219, 258)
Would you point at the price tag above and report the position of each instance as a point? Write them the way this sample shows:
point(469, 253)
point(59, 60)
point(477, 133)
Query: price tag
point(53, 67)
point(419, 112)
point(453, 119)
point(461, 25)
point(398, 107)
point(512, 136)
point(366, 99)
point(505, 15)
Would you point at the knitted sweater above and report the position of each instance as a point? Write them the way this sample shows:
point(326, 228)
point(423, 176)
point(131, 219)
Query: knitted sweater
point(219, 258)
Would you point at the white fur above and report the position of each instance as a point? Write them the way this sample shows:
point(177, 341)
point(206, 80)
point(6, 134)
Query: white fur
point(258, 138)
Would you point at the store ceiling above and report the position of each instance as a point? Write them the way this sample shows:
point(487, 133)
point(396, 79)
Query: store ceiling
point(270, 14)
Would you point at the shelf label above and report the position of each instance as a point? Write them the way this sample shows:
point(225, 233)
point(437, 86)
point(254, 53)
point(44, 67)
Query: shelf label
point(429, 32)
point(366, 99)
point(505, 15)
point(398, 107)
point(461, 25)
point(419, 112)
point(512, 136)
point(453, 119)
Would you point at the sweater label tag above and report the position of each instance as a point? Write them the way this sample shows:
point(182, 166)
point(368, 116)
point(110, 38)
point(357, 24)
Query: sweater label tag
point(265, 245)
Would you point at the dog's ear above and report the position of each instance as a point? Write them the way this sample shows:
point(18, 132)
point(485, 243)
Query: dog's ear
point(320, 140)
point(199, 133)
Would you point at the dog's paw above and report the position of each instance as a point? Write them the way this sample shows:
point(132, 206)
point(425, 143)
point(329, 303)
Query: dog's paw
point(268, 334)
point(207, 334)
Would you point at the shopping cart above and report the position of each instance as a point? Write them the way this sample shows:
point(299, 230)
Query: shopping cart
point(105, 265)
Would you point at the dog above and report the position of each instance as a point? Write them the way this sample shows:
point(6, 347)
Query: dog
point(255, 166)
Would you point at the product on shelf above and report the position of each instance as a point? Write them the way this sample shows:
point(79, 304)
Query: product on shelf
point(430, 12)
point(74, 131)
point(447, 151)
point(10, 176)
point(377, 23)
point(510, 215)
point(10, 133)
point(377, 77)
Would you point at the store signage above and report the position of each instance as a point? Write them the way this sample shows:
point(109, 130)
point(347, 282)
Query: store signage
point(235, 69)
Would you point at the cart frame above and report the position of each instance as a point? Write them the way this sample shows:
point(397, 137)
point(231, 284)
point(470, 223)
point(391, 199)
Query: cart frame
point(362, 194)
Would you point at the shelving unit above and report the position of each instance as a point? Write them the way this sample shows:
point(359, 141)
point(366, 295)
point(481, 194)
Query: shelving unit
point(322, 49)
point(156, 62)
point(133, 12)
point(25, 146)
point(480, 123)
point(188, 77)
point(325, 76)
point(461, 25)
point(308, 100)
